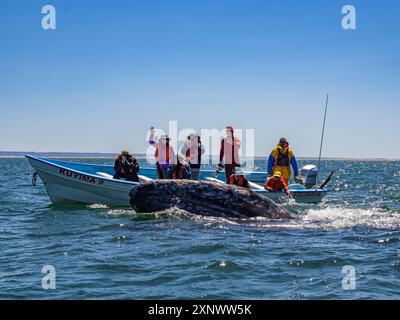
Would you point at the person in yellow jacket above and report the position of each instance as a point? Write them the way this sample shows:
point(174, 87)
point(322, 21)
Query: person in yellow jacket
point(280, 159)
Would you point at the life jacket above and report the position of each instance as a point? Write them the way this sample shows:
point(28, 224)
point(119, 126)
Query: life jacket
point(276, 186)
point(157, 153)
point(194, 165)
point(282, 159)
point(126, 170)
point(240, 181)
point(230, 150)
point(129, 168)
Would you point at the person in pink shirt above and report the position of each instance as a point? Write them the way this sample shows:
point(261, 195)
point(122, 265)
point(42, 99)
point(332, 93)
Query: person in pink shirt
point(229, 152)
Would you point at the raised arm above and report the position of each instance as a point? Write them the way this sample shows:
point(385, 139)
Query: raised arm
point(151, 138)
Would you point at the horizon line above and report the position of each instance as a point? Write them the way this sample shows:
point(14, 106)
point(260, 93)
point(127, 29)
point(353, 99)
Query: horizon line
point(72, 154)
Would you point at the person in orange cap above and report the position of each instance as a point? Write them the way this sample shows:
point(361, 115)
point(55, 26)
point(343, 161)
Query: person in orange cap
point(277, 183)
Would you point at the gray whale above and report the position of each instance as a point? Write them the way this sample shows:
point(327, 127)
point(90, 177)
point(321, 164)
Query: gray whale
point(203, 198)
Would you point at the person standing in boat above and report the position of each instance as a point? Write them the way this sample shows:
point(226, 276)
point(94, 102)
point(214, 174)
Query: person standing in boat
point(277, 183)
point(229, 151)
point(164, 155)
point(126, 167)
point(280, 159)
point(191, 153)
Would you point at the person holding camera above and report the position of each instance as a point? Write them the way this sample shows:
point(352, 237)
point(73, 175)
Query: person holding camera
point(126, 167)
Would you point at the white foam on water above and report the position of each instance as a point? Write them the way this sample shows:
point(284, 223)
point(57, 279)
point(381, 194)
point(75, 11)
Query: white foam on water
point(97, 206)
point(327, 218)
point(120, 212)
point(343, 218)
point(331, 218)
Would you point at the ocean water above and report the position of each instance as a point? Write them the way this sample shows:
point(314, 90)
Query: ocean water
point(107, 253)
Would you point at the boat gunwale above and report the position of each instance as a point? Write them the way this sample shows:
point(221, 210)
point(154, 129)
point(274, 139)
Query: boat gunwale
point(145, 168)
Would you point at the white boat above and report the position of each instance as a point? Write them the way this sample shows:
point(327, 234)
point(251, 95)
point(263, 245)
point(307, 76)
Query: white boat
point(72, 182)
point(67, 182)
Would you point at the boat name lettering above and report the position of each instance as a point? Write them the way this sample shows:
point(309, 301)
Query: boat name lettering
point(80, 176)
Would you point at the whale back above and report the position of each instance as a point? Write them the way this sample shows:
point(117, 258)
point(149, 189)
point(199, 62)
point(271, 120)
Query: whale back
point(204, 198)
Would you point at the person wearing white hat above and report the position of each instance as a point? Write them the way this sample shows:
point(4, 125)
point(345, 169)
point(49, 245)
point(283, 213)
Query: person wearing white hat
point(237, 178)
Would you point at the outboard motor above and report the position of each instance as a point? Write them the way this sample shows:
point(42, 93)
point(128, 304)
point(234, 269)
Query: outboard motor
point(309, 175)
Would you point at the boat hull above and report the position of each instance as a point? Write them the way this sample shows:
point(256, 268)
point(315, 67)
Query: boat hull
point(65, 185)
point(303, 196)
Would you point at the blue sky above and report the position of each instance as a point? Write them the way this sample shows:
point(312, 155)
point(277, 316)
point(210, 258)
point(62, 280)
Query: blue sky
point(111, 69)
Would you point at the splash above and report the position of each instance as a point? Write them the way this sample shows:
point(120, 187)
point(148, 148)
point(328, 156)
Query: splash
point(330, 218)
point(122, 212)
point(344, 218)
point(97, 206)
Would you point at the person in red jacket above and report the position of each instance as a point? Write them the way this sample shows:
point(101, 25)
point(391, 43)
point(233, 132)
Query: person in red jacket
point(229, 150)
point(277, 183)
point(239, 179)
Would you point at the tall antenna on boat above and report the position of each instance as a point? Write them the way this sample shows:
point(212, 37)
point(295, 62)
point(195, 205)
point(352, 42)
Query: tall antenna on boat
point(322, 135)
